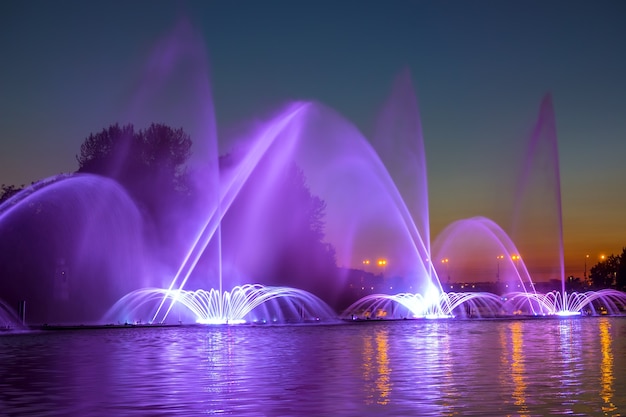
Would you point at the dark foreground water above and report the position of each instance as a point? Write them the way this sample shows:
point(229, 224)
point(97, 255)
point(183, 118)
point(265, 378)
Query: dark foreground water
point(407, 368)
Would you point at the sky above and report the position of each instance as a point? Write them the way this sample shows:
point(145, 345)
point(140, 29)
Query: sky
point(480, 70)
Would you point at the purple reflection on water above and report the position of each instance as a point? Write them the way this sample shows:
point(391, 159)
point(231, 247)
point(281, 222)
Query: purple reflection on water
point(430, 368)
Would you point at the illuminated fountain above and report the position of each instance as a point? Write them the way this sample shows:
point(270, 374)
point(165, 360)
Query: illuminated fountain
point(243, 304)
point(92, 245)
point(64, 241)
point(471, 239)
point(220, 264)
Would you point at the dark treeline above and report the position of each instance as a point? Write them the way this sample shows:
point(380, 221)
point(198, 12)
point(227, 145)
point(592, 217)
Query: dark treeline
point(150, 164)
point(610, 272)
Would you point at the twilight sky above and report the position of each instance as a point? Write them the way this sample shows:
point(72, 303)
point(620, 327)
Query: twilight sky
point(480, 70)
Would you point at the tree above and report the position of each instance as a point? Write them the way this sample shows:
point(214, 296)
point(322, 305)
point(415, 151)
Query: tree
point(105, 153)
point(620, 276)
point(273, 233)
point(8, 191)
point(150, 164)
point(158, 154)
point(604, 273)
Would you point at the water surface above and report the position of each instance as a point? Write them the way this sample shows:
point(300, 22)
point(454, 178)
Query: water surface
point(418, 368)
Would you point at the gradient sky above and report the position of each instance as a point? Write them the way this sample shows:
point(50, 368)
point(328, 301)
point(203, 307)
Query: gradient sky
point(480, 70)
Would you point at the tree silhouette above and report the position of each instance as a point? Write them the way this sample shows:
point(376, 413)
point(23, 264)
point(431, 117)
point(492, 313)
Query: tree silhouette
point(620, 275)
point(157, 154)
point(151, 165)
point(604, 273)
point(8, 191)
point(274, 231)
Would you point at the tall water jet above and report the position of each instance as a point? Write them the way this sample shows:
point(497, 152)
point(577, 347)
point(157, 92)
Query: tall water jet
point(173, 87)
point(201, 265)
point(399, 142)
point(537, 215)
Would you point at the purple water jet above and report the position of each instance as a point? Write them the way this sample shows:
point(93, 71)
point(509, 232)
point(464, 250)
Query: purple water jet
point(537, 213)
point(474, 243)
point(71, 246)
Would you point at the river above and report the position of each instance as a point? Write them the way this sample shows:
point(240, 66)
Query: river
point(534, 367)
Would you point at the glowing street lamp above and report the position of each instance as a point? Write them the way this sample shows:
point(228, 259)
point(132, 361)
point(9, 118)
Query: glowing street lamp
point(585, 273)
point(382, 263)
point(446, 262)
point(498, 266)
point(516, 258)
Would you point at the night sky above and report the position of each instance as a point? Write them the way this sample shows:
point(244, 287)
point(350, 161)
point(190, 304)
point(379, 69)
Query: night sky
point(480, 70)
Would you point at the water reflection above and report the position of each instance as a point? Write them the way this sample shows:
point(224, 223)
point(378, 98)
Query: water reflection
point(517, 368)
point(570, 349)
point(383, 382)
point(422, 368)
point(376, 368)
point(368, 368)
point(606, 368)
point(217, 349)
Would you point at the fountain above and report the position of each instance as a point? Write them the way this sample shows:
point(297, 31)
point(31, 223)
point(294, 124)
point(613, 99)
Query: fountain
point(64, 241)
point(257, 226)
point(477, 240)
point(91, 242)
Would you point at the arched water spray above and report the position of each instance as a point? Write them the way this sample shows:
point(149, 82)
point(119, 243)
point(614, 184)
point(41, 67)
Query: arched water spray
point(72, 243)
point(227, 195)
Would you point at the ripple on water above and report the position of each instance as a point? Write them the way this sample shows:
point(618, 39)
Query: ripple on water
point(421, 367)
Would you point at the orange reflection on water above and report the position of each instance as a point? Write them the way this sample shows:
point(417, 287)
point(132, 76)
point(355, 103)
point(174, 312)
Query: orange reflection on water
point(368, 359)
point(504, 357)
point(606, 367)
point(517, 368)
point(383, 381)
point(376, 370)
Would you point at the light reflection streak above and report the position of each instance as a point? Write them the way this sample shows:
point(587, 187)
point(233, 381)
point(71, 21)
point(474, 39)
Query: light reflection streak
point(376, 369)
point(606, 368)
point(218, 351)
point(450, 399)
point(383, 384)
point(572, 367)
point(518, 369)
point(368, 355)
point(504, 357)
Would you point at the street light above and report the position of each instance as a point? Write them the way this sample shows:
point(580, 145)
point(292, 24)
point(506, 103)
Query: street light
point(383, 264)
point(585, 274)
point(446, 262)
point(498, 264)
point(516, 258)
